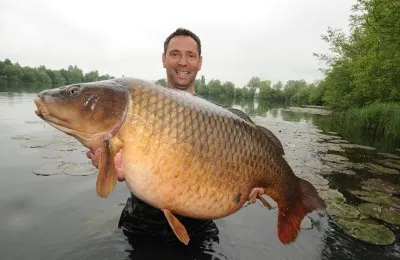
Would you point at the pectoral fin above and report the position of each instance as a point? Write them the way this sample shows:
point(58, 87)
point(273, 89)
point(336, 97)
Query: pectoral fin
point(178, 228)
point(106, 177)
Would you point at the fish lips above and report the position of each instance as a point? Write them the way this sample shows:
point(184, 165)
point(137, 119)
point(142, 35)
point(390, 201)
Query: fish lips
point(41, 109)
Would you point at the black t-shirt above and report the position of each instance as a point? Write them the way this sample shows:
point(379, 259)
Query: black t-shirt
point(140, 218)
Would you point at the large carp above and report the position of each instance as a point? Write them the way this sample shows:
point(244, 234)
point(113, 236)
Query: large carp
point(179, 152)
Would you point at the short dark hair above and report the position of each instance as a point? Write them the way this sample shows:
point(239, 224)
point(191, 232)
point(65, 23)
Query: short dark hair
point(183, 32)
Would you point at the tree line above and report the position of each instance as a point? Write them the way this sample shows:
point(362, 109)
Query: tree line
point(294, 91)
point(14, 72)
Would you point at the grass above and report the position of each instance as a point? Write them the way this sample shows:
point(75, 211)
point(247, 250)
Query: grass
point(375, 125)
point(378, 119)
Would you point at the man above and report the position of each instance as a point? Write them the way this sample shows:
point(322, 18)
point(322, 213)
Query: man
point(182, 60)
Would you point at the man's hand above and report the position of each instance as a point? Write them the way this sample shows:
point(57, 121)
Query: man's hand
point(95, 157)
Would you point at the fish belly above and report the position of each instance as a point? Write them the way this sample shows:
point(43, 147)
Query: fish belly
point(187, 191)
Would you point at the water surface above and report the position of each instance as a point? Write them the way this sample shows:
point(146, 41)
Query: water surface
point(60, 216)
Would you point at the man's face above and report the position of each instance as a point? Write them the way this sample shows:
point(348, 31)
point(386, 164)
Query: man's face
point(182, 62)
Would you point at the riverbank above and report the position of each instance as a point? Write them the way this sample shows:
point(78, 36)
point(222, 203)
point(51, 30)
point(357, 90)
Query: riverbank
point(375, 123)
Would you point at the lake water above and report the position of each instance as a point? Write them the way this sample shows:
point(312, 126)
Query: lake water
point(61, 217)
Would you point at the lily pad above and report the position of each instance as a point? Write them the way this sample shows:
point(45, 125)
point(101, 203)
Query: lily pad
point(357, 146)
point(391, 156)
point(377, 169)
point(388, 214)
point(62, 147)
point(35, 122)
point(47, 169)
point(391, 163)
point(340, 209)
point(336, 149)
point(316, 180)
point(380, 185)
point(83, 169)
point(332, 195)
point(367, 230)
point(339, 167)
point(377, 197)
point(334, 158)
point(24, 137)
point(358, 166)
point(62, 137)
point(36, 144)
point(53, 155)
point(338, 141)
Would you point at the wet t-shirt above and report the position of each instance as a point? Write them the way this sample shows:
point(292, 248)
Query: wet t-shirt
point(140, 218)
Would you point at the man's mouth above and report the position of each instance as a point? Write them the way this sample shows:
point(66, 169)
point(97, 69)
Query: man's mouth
point(182, 73)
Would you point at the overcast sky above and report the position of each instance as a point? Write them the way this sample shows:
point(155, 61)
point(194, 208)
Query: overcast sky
point(273, 40)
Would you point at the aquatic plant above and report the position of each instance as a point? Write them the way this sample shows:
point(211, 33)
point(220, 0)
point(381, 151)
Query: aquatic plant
point(367, 230)
point(376, 125)
point(388, 214)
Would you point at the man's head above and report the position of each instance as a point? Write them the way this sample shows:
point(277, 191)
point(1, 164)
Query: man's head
point(182, 59)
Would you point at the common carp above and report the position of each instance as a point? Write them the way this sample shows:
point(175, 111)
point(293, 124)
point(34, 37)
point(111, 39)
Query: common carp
point(179, 152)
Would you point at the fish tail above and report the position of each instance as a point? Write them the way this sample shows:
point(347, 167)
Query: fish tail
point(292, 211)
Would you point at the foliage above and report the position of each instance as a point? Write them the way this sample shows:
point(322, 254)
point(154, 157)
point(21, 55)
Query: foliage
point(14, 72)
point(364, 67)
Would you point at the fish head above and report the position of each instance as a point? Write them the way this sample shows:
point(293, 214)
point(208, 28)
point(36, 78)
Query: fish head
point(87, 111)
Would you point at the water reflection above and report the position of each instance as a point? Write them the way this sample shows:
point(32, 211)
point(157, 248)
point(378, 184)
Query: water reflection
point(14, 86)
point(202, 247)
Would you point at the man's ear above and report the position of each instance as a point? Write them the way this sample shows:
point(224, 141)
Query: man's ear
point(201, 62)
point(164, 58)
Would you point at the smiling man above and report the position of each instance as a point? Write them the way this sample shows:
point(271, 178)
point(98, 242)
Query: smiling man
point(182, 59)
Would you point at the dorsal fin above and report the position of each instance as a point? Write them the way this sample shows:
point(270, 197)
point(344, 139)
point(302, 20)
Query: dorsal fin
point(271, 137)
point(241, 114)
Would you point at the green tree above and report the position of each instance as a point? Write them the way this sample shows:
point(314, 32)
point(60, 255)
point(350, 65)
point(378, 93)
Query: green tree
point(28, 75)
point(228, 89)
point(203, 80)
point(254, 83)
point(72, 75)
point(363, 67)
point(105, 77)
point(92, 76)
point(12, 72)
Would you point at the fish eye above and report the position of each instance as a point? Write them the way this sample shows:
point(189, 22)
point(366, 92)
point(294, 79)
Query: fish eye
point(73, 91)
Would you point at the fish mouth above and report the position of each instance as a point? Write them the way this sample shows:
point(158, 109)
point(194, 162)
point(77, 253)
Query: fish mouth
point(41, 109)
point(43, 112)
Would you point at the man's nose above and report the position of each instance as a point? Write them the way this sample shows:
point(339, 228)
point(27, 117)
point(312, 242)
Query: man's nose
point(182, 60)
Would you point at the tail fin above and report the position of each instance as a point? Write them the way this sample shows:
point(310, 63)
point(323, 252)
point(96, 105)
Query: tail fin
point(292, 213)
